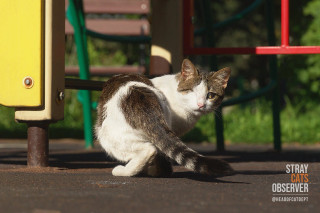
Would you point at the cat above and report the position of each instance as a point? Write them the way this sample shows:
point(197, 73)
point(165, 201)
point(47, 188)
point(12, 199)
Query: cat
point(139, 120)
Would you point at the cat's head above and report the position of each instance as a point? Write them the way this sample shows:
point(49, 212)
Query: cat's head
point(202, 91)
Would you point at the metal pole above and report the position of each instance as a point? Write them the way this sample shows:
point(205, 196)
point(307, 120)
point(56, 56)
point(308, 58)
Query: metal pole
point(284, 22)
point(274, 76)
point(78, 22)
point(219, 130)
point(213, 65)
point(38, 144)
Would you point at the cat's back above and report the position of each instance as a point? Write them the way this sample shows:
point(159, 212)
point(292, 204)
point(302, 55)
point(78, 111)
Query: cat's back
point(118, 81)
point(117, 89)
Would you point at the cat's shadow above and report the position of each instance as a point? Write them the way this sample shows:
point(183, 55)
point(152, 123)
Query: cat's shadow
point(217, 179)
point(202, 178)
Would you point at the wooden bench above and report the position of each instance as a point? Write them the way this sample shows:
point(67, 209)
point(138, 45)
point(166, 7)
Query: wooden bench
point(102, 16)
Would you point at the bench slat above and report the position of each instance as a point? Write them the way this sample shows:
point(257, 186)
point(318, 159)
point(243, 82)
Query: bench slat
point(116, 6)
point(103, 71)
point(114, 27)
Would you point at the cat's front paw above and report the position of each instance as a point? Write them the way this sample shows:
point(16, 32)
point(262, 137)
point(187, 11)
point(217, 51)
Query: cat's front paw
point(119, 171)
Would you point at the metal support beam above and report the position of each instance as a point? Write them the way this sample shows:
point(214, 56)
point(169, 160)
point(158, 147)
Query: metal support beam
point(38, 144)
point(80, 84)
point(167, 37)
point(273, 65)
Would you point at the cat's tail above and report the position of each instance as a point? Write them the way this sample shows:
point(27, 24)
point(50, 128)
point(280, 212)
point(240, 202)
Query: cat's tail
point(168, 143)
point(148, 116)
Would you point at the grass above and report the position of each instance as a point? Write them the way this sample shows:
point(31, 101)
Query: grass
point(250, 123)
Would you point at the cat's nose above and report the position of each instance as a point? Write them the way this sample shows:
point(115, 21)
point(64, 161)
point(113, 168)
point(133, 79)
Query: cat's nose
point(200, 105)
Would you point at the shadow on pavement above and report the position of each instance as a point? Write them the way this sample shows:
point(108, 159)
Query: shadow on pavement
point(268, 156)
point(202, 178)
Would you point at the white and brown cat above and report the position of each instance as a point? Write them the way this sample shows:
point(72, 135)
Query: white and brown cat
point(139, 120)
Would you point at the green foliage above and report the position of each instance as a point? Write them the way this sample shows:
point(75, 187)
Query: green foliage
point(312, 35)
point(311, 75)
point(300, 123)
point(102, 53)
point(301, 73)
point(8, 127)
point(253, 124)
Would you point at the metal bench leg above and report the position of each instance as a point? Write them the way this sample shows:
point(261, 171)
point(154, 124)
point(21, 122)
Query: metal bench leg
point(219, 130)
point(38, 144)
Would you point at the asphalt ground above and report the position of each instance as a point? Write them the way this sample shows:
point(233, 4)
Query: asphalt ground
point(80, 180)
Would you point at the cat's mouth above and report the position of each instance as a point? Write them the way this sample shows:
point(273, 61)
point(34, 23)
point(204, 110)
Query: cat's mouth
point(201, 110)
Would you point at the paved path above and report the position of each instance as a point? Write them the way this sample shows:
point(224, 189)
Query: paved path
point(81, 181)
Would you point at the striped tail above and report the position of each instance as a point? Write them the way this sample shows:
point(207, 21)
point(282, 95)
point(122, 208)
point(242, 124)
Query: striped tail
point(174, 148)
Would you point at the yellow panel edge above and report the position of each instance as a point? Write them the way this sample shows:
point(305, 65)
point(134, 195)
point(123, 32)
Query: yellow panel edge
point(54, 48)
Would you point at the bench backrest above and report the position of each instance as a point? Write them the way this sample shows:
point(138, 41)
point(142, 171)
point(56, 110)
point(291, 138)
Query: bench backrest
point(115, 26)
point(116, 6)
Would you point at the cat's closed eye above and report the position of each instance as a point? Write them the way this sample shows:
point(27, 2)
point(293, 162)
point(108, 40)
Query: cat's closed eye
point(211, 96)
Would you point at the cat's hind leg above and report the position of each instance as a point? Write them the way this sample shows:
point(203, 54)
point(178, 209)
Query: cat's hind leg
point(159, 167)
point(142, 156)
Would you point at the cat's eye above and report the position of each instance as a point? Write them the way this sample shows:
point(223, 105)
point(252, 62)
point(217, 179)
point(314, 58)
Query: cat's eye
point(211, 96)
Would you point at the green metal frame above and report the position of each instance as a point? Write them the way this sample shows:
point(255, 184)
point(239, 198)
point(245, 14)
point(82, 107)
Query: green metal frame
point(76, 17)
point(274, 76)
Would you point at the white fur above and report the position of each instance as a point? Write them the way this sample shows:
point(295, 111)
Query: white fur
point(184, 108)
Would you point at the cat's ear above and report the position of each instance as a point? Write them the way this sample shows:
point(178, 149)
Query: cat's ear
point(222, 76)
point(188, 70)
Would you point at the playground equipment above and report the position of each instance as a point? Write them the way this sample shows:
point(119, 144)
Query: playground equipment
point(32, 65)
point(32, 68)
point(271, 50)
point(285, 48)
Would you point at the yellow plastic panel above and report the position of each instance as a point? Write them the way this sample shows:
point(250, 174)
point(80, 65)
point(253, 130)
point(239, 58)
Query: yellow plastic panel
point(21, 48)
